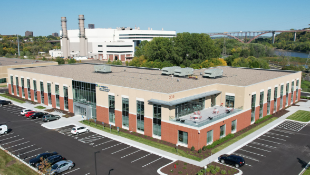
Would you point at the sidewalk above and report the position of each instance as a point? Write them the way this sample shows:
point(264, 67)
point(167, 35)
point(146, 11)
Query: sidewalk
point(75, 121)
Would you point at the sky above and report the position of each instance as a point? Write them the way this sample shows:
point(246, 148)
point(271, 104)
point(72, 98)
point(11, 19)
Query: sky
point(194, 16)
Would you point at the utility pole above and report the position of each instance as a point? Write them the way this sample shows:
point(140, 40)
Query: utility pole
point(18, 45)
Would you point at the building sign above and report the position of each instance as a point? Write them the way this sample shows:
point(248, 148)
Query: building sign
point(103, 88)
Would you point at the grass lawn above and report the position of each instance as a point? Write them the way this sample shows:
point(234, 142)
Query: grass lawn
point(3, 85)
point(305, 86)
point(11, 98)
point(307, 172)
point(145, 141)
point(241, 136)
point(40, 107)
point(12, 166)
point(302, 116)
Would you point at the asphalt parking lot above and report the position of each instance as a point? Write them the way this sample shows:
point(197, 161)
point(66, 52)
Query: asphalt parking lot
point(283, 150)
point(27, 138)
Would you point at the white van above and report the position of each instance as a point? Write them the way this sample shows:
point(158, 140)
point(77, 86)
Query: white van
point(3, 129)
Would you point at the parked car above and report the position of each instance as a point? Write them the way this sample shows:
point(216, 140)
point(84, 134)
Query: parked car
point(37, 115)
point(35, 161)
point(50, 117)
point(5, 102)
point(29, 113)
point(60, 166)
point(24, 111)
point(51, 160)
point(3, 129)
point(234, 160)
point(79, 129)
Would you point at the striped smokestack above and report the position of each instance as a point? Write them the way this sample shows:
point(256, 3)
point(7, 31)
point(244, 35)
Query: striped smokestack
point(81, 26)
point(64, 27)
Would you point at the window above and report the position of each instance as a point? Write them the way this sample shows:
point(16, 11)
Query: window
point(28, 88)
point(57, 95)
point(2, 80)
point(287, 90)
point(234, 126)
point(281, 97)
point(213, 100)
point(140, 115)
point(99, 45)
point(261, 104)
point(42, 92)
point(222, 131)
point(157, 120)
point(35, 90)
point(17, 86)
point(23, 90)
point(209, 137)
point(230, 101)
point(100, 51)
point(49, 93)
point(189, 107)
point(12, 85)
point(292, 91)
point(66, 97)
point(111, 108)
point(125, 112)
point(183, 137)
point(297, 84)
point(275, 99)
point(253, 100)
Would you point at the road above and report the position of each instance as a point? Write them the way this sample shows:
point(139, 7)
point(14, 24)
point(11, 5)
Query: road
point(28, 138)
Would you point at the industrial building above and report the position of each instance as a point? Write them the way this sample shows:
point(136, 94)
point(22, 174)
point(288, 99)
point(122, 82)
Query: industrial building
point(55, 34)
point(104, 44)
point(6, 63)
point(29, 33)
point(189, 110)
point(91, 26)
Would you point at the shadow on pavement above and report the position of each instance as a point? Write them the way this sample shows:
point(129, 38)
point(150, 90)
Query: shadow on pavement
point(302, 163)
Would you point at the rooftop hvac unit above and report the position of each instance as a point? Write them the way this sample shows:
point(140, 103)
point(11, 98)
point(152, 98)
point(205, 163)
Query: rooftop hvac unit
point(103, 68)
point(182, 72)
point(213, 73)
point(169, 70)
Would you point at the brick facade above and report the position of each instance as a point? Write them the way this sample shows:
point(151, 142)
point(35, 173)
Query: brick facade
point(32, 95)
point(26, 93)
point(257, 112)
point(14, 90)
point(39, 96)
point(70, 105)
point(271, 107)
point(118, 118)
point(278, 104)
point(284, 101)
point(20, 92)
point(53, 101)
point(46, 99)
point(148, 126)
point(299, 93)
point(9, 87)
point(265, 110)
point(132, 122)
point(61, 103)
point(102, 114)
point(289, 99)
point(294, 96)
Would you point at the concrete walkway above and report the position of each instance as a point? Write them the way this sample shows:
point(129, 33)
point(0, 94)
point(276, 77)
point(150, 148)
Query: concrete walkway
point(75, 121)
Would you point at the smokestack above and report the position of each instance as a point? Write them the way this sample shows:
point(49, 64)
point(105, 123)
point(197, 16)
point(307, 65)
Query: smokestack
point(64, 27)
point(81, 26)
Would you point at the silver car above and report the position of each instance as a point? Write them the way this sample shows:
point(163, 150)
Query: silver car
point(50, 117)
point(61, 166)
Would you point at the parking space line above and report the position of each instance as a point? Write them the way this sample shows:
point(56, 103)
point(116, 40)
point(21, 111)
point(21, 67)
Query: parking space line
point(271, 133)
point(140, 158)
point(13, 141)
point(287, 132)
point(22, 148)
point(302, 127)
point(269, 141)
point(121, 150)
point(30, 151)
point(17, 145)
point(248, 165)
point(274, 138)
point(111, 146)
point(31, 156)
point(9, 138)
point(252, 152)
point(103, 143)
point(71, 171)
point(152, 162)
point(268, 146)
point(131, 153)
point(7, 134)
point(257, 148)
point(247, 157)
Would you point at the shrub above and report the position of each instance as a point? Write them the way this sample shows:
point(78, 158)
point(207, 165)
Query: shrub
point(263, 119)
point(171, 171)
point(208, 169)
point(217, 142)
point(213, 172)
point(204, 148)
point(180, 172)
point(192, 148)
point(177, 163)
point(223, 172)
point(199, 151)
point(211, 166)
point(185, 163)
point(184, 167)
point(217, 169)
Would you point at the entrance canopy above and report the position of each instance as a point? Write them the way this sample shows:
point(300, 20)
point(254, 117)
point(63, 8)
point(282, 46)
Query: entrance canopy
point(183, 100)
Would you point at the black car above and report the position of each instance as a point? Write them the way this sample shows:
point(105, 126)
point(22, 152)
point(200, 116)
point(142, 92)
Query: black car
point(37, 160)
point(234, 160)
point(4, 102)
point(51, 160)
point(37, 115)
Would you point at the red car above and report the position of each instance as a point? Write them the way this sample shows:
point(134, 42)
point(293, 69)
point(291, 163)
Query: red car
point(28, 114)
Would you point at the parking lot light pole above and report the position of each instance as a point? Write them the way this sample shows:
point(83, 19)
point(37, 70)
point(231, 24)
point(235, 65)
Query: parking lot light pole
point(95, 161)
point(205, 170)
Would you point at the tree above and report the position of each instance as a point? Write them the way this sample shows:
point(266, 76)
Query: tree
point(71, 61)
point(60, 60)
point(1, 49)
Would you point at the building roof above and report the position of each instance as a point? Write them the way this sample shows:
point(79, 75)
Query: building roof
point(152, 80)
point(17, 61)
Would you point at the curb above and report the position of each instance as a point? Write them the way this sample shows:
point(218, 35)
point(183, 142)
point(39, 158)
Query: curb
point(20, 160)
point(240, 172)
point(297, 121)
point(161, 173)
point(303, 170)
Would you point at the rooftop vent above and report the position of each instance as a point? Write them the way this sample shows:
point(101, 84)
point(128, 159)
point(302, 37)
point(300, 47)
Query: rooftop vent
point(182, 72)
point(169, 70)
point(213, 73)
point(103, 68)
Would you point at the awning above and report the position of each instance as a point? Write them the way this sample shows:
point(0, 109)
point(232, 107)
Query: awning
point(183, 100)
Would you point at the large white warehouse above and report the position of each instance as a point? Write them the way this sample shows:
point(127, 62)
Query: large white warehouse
point(104, 44)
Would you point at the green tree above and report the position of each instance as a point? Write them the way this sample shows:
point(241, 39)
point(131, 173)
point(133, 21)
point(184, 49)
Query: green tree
point(71, 61)
point(60, 60)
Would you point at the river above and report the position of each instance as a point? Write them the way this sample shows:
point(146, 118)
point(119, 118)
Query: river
point(291, 53)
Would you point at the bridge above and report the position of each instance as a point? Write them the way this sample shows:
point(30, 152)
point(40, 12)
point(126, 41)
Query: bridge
point(256, 34)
